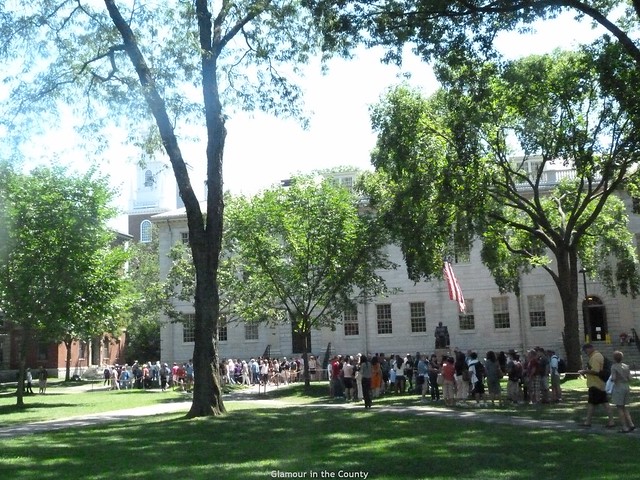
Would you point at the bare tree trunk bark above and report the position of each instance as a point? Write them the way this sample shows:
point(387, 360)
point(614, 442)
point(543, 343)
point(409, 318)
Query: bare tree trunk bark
point(567, 283)
point(205, 231)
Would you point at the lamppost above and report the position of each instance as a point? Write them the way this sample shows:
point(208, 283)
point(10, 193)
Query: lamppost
point(585, 306)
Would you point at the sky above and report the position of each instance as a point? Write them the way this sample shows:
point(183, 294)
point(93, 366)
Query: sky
point(339, 133)
point(261, 150)
point(340, 130)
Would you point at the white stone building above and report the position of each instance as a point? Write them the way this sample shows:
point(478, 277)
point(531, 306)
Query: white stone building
point(405, 322)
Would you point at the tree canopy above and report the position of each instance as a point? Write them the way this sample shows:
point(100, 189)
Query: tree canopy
point(61, 278)
point(307, 250)
point(461, 29)
point(158, 69)
point(528, 156)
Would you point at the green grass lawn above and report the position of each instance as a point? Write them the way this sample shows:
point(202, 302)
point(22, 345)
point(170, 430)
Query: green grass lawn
point(57, 404)
point(256, 440)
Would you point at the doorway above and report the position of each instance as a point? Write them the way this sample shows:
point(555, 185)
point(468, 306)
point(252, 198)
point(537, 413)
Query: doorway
point(595, 319)
point(299, 339)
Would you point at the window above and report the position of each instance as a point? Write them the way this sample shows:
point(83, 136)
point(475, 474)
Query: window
point(461, 247)
point(537, 315)
point(347, 182)
point(222, 329)
point(343, 181)
point(462, 252)
point(418, 317)
point(189, 328)
point(501, 312)
point(148, 179)
point(467, 320)
point(184, 238)
point(82, 350)
point(350, 321)
point(384, 319)
point(43, 351)
point(145, 231)
point(251, 331)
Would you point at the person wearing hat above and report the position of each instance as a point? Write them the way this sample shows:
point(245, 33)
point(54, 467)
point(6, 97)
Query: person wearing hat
point(595, 385)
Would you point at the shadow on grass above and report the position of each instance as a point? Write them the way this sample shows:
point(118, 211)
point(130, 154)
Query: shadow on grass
point(251, 444)
point(32, 406)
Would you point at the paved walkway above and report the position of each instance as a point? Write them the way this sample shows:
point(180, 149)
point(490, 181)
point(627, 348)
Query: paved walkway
point(251, 394)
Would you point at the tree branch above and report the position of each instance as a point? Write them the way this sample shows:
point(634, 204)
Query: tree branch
point(111, 55)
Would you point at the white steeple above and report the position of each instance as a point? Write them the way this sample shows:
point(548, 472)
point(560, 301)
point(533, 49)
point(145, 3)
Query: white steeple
point(153, 188)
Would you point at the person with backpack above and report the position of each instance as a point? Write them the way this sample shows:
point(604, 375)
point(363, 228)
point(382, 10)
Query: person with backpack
point(542, 371)
point(514, 375)
point(554, 366)
point(477, 371)
point(594, 373)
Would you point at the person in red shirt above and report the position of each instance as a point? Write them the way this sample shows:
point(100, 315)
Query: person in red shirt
point(337, 389)
point(448, 371)
point(174, 375)
point(182, 373)
point(146, 376)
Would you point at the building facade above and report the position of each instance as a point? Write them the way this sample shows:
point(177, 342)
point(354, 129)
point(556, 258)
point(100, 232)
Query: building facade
point(405, 322)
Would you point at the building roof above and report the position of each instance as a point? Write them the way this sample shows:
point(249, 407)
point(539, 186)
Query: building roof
point(176, 214)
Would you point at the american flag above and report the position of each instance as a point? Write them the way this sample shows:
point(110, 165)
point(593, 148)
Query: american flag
point(455, 292)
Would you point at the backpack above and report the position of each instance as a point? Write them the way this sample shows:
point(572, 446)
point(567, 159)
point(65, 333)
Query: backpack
point(480, 371)
point(562, 365)
point(605, 373)
point(515, 373)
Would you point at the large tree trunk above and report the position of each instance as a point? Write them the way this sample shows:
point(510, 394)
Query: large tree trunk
point(206, 249)
point(207, 391)
point(306, 327)
point(567, 283)
point(205, 230)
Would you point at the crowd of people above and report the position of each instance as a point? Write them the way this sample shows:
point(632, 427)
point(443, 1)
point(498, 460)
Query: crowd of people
point(460, 378)
point(265, 371)
point(149, 375)
point(455, 377)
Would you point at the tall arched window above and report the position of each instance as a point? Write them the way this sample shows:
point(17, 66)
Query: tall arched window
point(145, 231)
point(148, 179)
